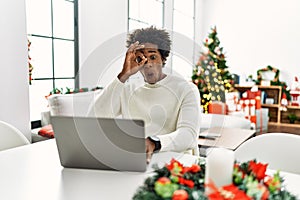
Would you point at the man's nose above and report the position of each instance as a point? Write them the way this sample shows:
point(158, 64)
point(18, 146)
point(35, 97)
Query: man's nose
point(148, 64)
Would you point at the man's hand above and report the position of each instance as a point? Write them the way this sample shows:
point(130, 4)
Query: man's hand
point(134, 61)
point(149, 149)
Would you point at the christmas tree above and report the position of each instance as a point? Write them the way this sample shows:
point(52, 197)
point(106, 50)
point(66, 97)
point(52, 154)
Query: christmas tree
point(211, 73)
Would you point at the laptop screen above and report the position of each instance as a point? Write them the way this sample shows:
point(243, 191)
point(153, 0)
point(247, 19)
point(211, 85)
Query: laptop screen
point(100, 143)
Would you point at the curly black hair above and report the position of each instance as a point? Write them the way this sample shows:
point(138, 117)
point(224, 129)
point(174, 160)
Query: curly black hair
point(152, 35)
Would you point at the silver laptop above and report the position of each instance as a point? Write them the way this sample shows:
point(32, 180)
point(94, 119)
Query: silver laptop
point(100, 143)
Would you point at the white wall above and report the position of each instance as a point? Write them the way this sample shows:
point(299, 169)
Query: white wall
point(14, 102)
point(199, 27)
point(102, 36)
point(254, 34)
point(257, 33)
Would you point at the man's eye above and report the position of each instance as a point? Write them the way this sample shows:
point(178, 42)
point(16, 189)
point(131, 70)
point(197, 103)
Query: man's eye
point(153, 57)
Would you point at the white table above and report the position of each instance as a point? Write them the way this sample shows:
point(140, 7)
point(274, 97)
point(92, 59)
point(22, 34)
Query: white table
point(230, 138)
point(33, 172)
point(292, 181)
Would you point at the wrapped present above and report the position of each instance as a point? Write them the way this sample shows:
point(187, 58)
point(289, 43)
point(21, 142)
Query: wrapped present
point(232, 99)
point(262, 120)
point(255, 95)
point(47, 131)
point(217, 107)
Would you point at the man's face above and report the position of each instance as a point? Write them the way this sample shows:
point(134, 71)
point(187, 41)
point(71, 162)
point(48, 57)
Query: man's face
point(152, 70)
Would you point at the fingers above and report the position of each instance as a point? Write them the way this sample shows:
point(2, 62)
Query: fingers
point(134, 47)
point(149, 155)
point(134, 56)
point(134, 61)
point(149, 150)
point(140, 59)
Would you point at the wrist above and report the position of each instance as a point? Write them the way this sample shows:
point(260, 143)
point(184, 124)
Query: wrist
point(156, 141)
point(123, 77)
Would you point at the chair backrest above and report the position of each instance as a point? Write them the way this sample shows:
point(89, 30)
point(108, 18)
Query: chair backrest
point(217, 120)
point(71, 104)
point(280, 150)
point(11, 136)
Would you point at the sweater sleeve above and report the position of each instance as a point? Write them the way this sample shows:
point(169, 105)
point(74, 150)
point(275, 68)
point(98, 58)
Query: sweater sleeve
point(108, 103)
point(185, 136)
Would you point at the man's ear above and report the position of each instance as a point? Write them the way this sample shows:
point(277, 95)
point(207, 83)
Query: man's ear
point(164, 62)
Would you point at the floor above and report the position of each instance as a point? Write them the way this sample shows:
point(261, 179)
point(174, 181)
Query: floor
point(283, 129)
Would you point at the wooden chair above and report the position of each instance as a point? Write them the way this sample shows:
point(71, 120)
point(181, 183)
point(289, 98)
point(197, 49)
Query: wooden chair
point(280, 150)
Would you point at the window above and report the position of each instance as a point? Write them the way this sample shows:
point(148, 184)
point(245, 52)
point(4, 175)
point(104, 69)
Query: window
point(145, 13)
point(184, 23)
point(52, 30)
point(142, 13)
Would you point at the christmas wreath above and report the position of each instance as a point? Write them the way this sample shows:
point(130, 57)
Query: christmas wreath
point(275, 80)
point(177, 182)
point(268, 68)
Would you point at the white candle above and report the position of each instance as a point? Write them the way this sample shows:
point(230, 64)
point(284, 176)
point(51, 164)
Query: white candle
point(219, 166)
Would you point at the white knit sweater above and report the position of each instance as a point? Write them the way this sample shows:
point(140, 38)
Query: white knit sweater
point(170, 109)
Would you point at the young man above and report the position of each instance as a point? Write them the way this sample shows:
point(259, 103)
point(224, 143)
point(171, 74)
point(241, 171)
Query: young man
point(169, 105)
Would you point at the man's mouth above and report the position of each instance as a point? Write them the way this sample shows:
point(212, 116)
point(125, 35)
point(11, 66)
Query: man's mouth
point(150, 74)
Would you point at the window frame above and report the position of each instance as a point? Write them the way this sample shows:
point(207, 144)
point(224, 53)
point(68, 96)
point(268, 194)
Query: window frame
point(75, 40)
